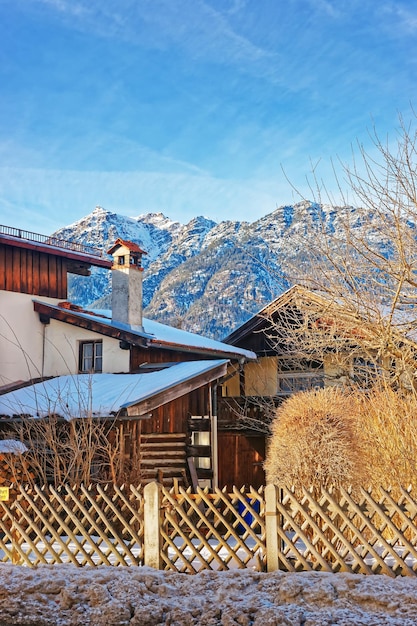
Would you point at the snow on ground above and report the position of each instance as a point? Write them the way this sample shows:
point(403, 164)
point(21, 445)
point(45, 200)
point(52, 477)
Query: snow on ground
point(62, 595)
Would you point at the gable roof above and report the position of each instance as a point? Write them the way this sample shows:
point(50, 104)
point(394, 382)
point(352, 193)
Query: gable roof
point(151, 334)
point(326, 302)
point(257, 321)
point(102, 395)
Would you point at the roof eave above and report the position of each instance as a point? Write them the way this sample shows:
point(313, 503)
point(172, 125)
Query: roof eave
point(211, 352)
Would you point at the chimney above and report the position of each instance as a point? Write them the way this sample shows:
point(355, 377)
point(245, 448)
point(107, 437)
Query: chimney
point(127, 275)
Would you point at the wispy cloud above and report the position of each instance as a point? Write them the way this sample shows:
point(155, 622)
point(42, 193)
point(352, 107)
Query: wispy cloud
point(405, 17)
point(179, 196)
point(192, 26)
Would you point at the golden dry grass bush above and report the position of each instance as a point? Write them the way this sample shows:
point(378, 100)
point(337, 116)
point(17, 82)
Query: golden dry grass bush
point(316, 442)
point(388, 422)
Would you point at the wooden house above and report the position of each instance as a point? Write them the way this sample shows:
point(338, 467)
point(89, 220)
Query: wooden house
point(168, 425)
point(303, 340)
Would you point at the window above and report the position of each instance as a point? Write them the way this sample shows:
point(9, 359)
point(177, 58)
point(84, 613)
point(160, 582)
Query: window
point(91, 356)
point(365, 372)
point(295, 376)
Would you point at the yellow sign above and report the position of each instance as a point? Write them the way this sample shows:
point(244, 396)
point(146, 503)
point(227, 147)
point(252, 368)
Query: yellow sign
point(4, 494)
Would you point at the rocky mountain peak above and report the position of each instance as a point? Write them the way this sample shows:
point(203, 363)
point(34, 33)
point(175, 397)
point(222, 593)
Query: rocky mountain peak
point(204, 276)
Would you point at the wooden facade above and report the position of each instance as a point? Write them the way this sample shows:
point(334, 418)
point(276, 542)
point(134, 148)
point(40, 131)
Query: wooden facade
point(32, 272)
point(241, 459)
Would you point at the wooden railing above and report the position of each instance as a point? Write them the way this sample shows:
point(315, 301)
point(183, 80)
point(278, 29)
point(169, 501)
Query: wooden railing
point(50, 241)
point(367, 532)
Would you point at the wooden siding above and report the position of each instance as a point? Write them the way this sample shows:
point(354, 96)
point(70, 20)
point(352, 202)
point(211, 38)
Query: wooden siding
point(241, 460)
point(139, 356)
point(261, 377)
point(172, 417)
point(32, 272)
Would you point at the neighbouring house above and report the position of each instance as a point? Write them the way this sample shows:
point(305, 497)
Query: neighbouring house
point(303, 340)
point(158, 384)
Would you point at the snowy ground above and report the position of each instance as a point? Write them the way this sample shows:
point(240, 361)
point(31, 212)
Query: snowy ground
point(62, 595)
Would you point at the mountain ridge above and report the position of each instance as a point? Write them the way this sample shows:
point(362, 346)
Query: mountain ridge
point(204, 276)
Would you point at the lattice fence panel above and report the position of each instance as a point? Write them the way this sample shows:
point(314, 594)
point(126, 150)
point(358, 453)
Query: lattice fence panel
point(366, 531)
point(84, 526)
point(370, 532)
point(217, 530)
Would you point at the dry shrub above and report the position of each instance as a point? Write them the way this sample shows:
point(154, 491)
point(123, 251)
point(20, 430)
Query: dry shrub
point(389, 428)
point(315, 441)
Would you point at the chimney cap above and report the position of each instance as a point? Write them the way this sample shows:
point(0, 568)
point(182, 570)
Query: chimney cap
point(130, 245)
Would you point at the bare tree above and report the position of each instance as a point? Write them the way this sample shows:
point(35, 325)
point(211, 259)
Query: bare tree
point(355, 313)
point(363, 259)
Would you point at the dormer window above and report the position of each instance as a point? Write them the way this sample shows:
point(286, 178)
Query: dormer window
point(121, 260)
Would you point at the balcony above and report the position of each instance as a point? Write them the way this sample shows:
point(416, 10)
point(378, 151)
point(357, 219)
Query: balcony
point(18, 233)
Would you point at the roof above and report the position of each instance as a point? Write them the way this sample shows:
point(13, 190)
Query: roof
point(151, 334)
point(258, 320)
point(130, 245)
point(100, 395)
point(402, 320)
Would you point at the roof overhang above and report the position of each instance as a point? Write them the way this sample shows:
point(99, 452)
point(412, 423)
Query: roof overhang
point(89, 322)
point(208, 352)
point(175, 391)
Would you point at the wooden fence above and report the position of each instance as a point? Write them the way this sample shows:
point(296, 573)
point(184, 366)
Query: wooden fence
point(368, 532)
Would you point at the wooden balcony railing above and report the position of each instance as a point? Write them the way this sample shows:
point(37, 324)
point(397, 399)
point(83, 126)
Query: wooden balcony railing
point(56, 242)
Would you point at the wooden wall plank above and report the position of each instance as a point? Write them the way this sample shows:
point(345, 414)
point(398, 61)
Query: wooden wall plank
point(36, 273)
point(32, 272)
point(3, 266)
point(23, 284)
point(240, 460)
point(43, 275)
point(15, 269)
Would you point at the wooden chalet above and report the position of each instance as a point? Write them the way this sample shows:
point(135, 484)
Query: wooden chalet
point(171, 432)
point(303, 341)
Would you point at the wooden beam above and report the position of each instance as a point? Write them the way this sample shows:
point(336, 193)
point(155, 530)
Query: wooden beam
point(176, 391)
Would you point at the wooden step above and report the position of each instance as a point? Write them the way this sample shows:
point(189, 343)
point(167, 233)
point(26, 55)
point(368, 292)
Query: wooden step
point(198, 424)
point(198, 450)
point(157, 462)
point(154, 454)
point(155, 437)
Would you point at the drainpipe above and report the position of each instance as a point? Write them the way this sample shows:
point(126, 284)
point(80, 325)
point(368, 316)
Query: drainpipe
point(213, 434)
point(43, 349)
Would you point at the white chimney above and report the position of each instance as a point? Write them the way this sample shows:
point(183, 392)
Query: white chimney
point(127, 273)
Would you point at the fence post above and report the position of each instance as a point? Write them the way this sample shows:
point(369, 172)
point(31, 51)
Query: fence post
point(271, 528)
point(151, 525)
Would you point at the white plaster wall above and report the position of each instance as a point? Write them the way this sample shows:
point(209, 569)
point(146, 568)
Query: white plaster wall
point(21, 338)
point(29, 349)
point(62, 346)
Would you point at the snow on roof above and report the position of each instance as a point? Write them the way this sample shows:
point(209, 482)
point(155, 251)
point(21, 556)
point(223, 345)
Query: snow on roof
point(167, 334)
point(11, 446)
point(84, 395)
point(158, 333)
point(162, 333)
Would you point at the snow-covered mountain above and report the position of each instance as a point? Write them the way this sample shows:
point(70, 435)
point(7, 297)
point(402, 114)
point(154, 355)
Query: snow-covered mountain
point(203, 276)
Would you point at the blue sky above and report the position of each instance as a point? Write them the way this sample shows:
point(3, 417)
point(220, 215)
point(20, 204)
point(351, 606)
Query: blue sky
point(191, 107)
